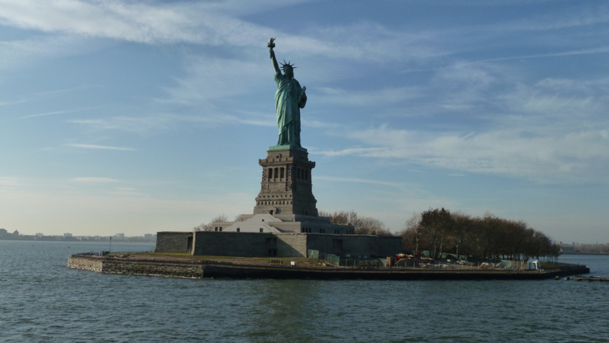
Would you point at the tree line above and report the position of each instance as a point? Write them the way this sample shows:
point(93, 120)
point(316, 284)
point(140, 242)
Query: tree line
point(440, 231)
point(363, 225)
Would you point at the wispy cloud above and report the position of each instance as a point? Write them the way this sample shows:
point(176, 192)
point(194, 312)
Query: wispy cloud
point(99, 147)
point(43, 114)
point(128, 191)
point(306, 122)
point(9, 181)
point(213, 24)
point(93, 180)
point(25, 52)
point(154, 123)
point(357, 180)
point(599, 50)
point(129, 124)
point(570, 156)
point(230, 77)
point(587, 15)
point(372, 98)
point(545, 130)
point(12, 102)
point(49, 94)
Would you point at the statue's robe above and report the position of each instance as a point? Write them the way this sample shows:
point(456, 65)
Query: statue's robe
point(288, 102)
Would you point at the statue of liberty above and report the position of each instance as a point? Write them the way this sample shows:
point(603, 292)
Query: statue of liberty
point(289, 99)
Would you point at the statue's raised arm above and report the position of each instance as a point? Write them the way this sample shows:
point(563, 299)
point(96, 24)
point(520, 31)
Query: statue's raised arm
point(289, 99)
point(271, 45)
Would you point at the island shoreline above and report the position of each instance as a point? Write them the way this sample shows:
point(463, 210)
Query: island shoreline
point(213, 269)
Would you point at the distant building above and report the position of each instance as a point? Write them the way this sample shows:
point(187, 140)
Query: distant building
point(39, 235)
point(119, 235)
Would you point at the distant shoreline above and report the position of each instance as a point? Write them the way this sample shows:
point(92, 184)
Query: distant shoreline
point(73, 240)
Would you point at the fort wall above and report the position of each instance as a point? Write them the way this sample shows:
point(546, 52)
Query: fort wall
point(355, 245)
point(244, 244)
point(249, 244)
point(174, 242)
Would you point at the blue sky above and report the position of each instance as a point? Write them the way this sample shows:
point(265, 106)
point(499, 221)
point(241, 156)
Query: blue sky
point(140, 116)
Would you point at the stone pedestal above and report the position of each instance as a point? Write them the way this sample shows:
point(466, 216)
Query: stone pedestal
point(286, 186)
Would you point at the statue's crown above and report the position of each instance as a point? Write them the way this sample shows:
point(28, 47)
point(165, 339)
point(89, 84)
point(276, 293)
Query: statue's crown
point(287, 65)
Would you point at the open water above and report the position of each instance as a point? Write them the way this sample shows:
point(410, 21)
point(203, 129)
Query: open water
point(43, 301)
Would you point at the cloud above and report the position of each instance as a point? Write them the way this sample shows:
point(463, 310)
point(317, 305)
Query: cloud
point(210, 79)
point(93, 180)
point(154, 123)
point(20, 52)
point(568, 17)
point(129, 124)
point(370, 98)
point(9, 181)
point(569, 156)
point(548, 130)
point(211, 24)
point(358, 180)
point(597, 50)
point(128, 191)
point(112, 19)
point(43, 114)
point(306, 122)
point(99, 147)
point(370, 41)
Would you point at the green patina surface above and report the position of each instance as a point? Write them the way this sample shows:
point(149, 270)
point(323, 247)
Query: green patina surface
point(289, 99)
point(286, 147)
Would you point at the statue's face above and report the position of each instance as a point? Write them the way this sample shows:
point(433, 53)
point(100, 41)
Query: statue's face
point(289, 72)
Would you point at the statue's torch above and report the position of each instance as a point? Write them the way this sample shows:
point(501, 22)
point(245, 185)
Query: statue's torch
point(271, 43)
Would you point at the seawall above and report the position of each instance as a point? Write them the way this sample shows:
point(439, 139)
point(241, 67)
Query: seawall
point(211, 269)
point(111, 265)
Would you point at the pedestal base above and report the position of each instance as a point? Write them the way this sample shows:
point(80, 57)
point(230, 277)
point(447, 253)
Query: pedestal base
point(286, 186)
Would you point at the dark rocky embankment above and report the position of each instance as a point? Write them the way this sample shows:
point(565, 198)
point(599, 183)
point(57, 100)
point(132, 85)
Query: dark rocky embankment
point(213, 269)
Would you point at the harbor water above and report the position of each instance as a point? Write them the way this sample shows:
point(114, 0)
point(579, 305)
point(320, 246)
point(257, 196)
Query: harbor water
point(43, 301)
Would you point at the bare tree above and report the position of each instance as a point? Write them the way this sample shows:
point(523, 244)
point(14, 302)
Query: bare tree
point(209, 226)
point(461, 232)
point(411, 234)
point(363, 225)
point(438, 230)
point(436, 226)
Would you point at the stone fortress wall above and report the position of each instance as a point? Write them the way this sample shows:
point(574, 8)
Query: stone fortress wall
point(246, 244)
point(175, 242)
